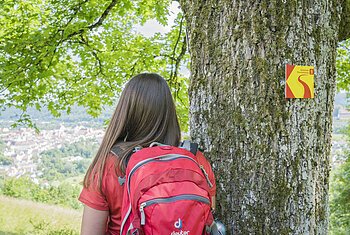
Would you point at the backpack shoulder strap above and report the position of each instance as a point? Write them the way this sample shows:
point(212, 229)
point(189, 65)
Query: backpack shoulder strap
point(192, 147)
point(116, 150)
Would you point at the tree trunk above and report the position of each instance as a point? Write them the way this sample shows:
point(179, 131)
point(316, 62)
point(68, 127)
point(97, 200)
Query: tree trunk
point(270, 154)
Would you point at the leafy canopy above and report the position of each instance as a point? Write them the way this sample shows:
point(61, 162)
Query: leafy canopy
point(343, 65)
point(58, 53)
point(55, 54)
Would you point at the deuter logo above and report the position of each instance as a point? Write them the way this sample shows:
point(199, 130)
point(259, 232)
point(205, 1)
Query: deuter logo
point(180, 233)
point(178, 225)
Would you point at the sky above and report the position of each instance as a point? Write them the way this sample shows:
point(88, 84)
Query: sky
point(152, 26)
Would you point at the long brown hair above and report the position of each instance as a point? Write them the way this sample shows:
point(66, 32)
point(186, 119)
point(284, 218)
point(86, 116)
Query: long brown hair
point(145, 113)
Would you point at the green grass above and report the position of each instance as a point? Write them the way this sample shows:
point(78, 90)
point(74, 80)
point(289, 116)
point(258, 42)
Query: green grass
point(26, 217)
point(76, 180)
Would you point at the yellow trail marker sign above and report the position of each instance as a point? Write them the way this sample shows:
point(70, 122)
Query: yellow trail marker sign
point(299, 81)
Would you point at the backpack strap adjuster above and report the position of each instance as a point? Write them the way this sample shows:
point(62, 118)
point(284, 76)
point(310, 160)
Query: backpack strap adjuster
point(121, 180)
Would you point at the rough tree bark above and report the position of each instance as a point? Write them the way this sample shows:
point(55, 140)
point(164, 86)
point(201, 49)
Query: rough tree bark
point(271, 155)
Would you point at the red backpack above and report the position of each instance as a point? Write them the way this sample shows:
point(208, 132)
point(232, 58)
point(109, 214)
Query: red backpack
point(166, 193)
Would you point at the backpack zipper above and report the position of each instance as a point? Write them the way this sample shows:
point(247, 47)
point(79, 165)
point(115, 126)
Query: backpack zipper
point(167, 157)
point(124, 221)
point(168, 200)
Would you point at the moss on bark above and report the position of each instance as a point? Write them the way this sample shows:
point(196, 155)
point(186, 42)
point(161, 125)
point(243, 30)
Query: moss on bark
point(270, 155)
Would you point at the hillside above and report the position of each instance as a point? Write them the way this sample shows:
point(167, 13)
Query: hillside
point(76, 115)
point(22, 217)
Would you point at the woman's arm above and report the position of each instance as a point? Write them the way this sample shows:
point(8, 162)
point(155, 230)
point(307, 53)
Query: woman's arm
point(94, 221)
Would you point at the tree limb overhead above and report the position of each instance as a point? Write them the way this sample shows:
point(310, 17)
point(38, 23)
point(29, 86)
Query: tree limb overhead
point(97, 23)
point(104, 15)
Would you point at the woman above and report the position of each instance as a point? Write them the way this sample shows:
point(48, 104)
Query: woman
point(145, 113)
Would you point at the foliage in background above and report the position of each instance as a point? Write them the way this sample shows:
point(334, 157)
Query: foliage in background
point(340, 174)
point(55, 54)
point(68, 161)
point(84, 148)
point(64, 194)
point(343, 65)
point(340, 198)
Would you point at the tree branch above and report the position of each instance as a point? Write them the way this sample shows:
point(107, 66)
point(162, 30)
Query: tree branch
point(76, 10)
point(96, 24)
point(179, 58)
point(5, 88)
point(103, 16)
point(80, 32)
point(344, 27)
point(173, 73)
point(177, 66)
point(98, 62)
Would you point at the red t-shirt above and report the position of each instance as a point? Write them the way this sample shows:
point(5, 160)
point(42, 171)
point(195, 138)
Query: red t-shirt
point(112, 192)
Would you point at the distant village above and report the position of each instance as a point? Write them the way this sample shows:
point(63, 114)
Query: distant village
point(23, 145)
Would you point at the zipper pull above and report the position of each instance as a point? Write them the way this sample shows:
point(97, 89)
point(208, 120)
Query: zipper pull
point(142, 212)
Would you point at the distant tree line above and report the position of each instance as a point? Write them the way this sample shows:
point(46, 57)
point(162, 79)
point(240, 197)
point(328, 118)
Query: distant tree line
point(57, 164)
point(77, 114)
